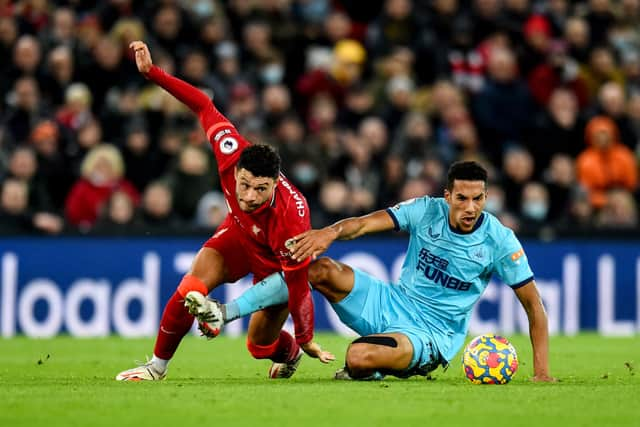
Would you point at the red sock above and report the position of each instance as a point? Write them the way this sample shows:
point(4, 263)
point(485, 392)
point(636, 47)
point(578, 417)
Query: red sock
point(175, 323)
point(286, 349)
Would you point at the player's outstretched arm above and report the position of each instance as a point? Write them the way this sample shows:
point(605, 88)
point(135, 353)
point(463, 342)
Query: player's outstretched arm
point(312, 243)
point(189, 95)
point(538, 330)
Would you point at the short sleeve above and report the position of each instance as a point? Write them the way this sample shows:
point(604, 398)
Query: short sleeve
point(512, 264)
point(406, 215)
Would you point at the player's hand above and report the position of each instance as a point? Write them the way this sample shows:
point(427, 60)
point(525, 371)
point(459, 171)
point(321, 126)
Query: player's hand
point(142, 55)
point(544, 379)
point(313, 350)
point(312, 243)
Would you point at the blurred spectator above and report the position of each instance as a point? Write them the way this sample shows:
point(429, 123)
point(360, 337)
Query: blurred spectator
point(212, 210)
point(189, 181)
point(504, 107)
point(601, 68)
point(117, 216)
point(620, 211)
point(537, 41)
point(393, 177)
point(560, 181)
point(157, 214)
point(276, 103)
point(139, 156)
point(600, 19)
point(612, 103)
point(76, 110)
point(395, 26)
point(88, 136)
point(53, 168)
point(15, 216)
point(558, 71)
point(102, 175)
point(605, 163)
point(335, 200)
point(518, 170)
point(345, 70)
point(558, 129)
point(59, 74)
point(358, 104)
point(495, 204)
point(534, 205)
point(578, 37)
point(23, 166)
point(24, 111)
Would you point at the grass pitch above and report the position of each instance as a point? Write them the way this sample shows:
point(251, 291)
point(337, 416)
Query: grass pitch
point(69, 382)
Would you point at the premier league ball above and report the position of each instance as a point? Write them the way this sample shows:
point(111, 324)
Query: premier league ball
point(489, 359)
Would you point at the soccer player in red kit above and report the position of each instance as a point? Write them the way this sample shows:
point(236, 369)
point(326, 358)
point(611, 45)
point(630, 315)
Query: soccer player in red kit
point(265, 211)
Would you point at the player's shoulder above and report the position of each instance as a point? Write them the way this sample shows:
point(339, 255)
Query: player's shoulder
point(289, 200)
point(496, 231)
point(425, 203)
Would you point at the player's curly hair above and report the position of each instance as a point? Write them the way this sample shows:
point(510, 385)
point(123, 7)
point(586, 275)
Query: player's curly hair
point(261, 160)
point(466, 171)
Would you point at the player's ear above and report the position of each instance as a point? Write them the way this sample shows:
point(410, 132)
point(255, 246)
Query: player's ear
point(447, 195)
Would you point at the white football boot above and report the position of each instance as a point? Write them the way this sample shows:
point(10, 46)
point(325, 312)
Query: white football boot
point(144, 372)
point(287, 369)
point(208, 312)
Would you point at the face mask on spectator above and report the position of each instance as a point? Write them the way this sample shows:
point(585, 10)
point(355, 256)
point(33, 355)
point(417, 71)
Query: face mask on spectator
point(494, 205)
point(204, 8)
point(305, 174)
point(272, 74)
point(98, 178)
point(535, 210)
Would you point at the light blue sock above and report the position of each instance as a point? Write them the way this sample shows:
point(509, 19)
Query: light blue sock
point(271, 290)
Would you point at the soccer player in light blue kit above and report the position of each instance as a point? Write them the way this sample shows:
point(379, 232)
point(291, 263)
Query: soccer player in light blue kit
point(411, 327)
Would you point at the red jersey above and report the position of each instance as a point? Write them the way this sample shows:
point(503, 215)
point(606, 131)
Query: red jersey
point(271, 225)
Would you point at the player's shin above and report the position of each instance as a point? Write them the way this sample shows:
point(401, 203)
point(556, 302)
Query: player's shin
point(271, 290)
point(174, 325)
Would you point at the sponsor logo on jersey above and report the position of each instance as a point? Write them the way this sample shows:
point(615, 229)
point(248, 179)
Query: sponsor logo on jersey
point(299, 200)
point(515, 257)
point(434, 268)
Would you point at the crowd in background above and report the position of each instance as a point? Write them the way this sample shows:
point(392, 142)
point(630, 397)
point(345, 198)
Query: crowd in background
point(368, 103)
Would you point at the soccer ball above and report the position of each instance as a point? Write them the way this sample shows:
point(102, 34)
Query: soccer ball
point(489, 359)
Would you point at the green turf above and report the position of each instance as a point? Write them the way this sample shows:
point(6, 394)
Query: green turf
point(69, 382)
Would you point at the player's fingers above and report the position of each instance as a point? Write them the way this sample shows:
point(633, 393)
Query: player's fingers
point(302, 251)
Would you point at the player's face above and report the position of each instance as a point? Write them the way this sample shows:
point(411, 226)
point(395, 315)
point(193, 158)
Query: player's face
point(466, 201)
point(253, 191)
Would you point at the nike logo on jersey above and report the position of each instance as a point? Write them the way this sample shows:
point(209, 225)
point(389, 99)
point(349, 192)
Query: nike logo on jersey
point(432, 234)
point(256, 230)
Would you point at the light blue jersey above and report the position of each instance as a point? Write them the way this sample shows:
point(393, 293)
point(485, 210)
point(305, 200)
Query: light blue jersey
point(445, 272)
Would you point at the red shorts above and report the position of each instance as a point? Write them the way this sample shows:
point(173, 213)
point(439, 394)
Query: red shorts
point(242, 255)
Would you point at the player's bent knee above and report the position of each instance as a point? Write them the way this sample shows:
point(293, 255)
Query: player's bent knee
point(360, 358)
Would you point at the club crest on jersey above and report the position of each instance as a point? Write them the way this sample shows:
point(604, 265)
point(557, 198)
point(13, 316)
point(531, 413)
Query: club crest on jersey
point(228, 145)
point(289, 243)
